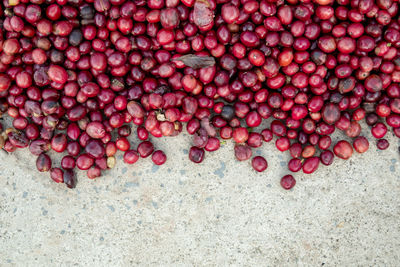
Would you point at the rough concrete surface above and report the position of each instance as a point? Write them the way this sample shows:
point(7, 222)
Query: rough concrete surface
point(218, 213)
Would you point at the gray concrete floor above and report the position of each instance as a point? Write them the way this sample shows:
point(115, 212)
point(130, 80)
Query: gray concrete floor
point(218, 213)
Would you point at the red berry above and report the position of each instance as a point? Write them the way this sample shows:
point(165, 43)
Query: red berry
point(288, 182)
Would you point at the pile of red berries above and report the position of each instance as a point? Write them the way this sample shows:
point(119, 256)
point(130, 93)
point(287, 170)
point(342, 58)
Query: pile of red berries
point(76, 74)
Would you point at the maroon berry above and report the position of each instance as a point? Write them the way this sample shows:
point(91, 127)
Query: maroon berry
point(326, 157)
point(295, 165)
point(330, 113)
point(288, 182)
point(196, 154)
point(382, 144)
point(70, 178)
point(39, 146)
point(95, 148)
point(43, 163)
point(145, 149)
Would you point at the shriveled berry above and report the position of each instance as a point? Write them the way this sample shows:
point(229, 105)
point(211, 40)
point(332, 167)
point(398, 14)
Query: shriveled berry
point(70, 179)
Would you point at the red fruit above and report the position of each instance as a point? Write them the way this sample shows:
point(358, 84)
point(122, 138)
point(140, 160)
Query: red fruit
point(96, 130)
point(73, 131)
point(57, 175)
point(373, 83)
point(196, 154)
point(122, 144)
point(95, 148)
point(267, 135)
point(68, 162)
point(288, 182)
point(131, 156)
point(282, 143)
point(379, 130)
point(354, 130)
point(361, 144)
point(330, 113)
point(259, 163)
point(253, 119)
point(59, 142)
point(145, 149)
point(57, 74)
point(70, 178)
point(229, 13)
point(11, 46)
point(43, 163)
point(326, 157)
point(382, 144)
point(295, 150)
point(240, 135)
point(213, 144)
point(310, 165)
point(294, 165)
point(324, 142)
point(84, 162)
point(5, 82)
point(242, 152)
point(255, 139)
point(94, 172)
point(343, 149)
point(159, 157)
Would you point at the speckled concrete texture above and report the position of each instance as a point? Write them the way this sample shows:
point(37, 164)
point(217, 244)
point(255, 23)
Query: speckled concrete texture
point(216, 214)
